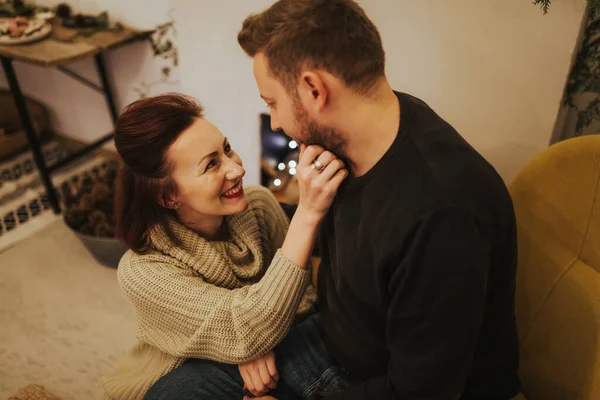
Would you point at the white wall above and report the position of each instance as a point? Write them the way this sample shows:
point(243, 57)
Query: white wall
point(216, 71)
point(494, 69)
point(78, 111)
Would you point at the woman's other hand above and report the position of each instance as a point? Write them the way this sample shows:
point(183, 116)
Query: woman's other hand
point(260, 375)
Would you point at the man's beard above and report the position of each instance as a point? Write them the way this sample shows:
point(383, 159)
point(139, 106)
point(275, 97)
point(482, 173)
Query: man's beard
point(309, 133)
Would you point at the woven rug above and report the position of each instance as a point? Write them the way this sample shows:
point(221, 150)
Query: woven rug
point(24, 205)
point(64, 321)
point(33, 392)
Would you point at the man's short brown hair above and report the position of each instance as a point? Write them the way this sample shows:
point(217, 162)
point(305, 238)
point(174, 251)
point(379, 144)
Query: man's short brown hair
point(333, 35)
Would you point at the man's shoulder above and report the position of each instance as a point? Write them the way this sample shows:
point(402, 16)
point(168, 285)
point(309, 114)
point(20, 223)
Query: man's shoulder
point(433, 168)
point(443, 153)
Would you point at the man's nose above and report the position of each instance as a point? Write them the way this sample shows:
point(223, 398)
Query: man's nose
point(275, 124)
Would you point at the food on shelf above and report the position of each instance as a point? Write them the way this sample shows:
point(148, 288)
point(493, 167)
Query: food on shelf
point(18, 27)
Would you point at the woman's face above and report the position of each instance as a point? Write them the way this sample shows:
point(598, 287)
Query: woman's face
point(207, 171)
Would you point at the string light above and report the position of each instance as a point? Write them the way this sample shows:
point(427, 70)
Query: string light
point(292, 164)
point(292, 171)
point(277, 182)
point(281, 166)
point(293, 144)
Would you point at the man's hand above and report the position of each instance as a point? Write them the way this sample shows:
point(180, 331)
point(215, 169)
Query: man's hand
point(260, 375)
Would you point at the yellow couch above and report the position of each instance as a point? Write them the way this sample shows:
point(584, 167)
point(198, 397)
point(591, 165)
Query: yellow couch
point(557, 203)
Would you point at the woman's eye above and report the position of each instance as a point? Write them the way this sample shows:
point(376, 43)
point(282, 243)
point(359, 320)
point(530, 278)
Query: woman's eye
point(211, 164)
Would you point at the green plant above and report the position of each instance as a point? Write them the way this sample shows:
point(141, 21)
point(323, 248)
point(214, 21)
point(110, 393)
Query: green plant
point(584, 79)
point(583, 84)
point(162, 44)
point(162, 41)
point(17, 8)
point(102, 24)
point(545, 4)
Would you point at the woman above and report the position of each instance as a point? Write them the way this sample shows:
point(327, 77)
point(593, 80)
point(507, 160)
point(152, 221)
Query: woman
point(215, 272)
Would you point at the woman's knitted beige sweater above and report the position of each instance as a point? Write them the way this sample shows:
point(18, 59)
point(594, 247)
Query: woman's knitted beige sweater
point(226, 301)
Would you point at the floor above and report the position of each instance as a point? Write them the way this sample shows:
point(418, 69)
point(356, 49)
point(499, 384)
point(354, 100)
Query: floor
point(64, 322)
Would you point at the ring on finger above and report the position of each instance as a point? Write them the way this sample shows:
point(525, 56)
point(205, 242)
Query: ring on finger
point(316, 165)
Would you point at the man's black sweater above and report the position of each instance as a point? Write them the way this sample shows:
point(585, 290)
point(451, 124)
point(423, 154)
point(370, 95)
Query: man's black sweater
point(417, 281)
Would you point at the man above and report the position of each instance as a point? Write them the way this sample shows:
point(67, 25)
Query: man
point(416, 285)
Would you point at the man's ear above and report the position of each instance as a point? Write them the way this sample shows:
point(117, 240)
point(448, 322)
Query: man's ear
point(313, 90)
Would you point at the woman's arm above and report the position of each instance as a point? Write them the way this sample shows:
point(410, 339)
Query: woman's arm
point(184, 316)
point(317, 190)
point(278, 232)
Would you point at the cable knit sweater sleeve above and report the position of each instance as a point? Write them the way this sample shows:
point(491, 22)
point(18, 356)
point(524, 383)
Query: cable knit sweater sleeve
point(184, 316)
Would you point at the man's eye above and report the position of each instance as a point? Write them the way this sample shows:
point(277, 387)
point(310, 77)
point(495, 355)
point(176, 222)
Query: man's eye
point(227, 149)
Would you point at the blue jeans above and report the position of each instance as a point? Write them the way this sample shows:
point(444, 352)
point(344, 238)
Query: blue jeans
point(304, 365)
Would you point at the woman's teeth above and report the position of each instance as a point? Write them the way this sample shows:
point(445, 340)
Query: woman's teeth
point(234, 190)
